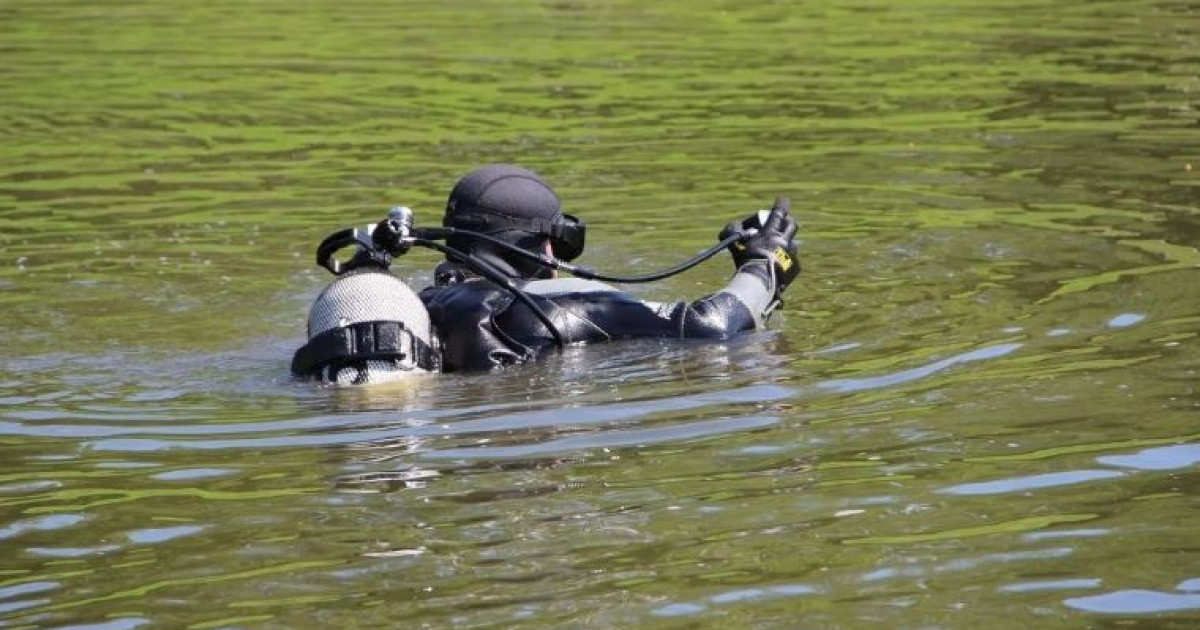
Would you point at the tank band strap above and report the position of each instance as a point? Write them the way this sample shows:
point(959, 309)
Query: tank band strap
point(365, 341)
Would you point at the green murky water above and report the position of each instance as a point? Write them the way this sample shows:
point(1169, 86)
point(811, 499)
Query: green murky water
point(979, 407)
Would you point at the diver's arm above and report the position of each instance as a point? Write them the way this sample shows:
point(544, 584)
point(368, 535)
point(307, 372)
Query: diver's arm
point(483, 328)
point(742, 305)
point(766, 264)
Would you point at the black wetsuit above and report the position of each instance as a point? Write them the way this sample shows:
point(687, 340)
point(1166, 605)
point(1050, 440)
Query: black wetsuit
point(483, 326)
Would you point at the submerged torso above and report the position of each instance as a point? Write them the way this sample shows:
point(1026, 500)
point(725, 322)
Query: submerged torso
point(483, 326)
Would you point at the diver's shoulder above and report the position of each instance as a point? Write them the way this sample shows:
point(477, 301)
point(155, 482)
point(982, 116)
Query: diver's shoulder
point(463, 294)
point(564, 286)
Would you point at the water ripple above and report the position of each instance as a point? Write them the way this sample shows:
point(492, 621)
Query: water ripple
point(1032, 482)
point(358, 428)
point(1162, 458)
point(907, 376)
point(41, 524)
point(609, 439)
point(27, 588)
point(1051, 585)
point(163, 534)
point(1134, 602)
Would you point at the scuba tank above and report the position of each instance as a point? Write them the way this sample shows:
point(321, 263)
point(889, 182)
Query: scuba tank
point(367, 326)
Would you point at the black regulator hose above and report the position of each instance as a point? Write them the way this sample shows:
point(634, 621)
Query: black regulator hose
point(493, 274)
point(590, 274)
point(576, 270)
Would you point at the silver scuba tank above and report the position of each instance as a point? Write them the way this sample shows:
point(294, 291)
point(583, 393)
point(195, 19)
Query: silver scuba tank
point(367, 326)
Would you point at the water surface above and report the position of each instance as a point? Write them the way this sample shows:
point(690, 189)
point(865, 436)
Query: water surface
point(978, 407)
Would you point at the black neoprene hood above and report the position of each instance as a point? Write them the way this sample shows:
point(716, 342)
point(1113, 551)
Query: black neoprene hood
point(517, 206)
point(505, 191)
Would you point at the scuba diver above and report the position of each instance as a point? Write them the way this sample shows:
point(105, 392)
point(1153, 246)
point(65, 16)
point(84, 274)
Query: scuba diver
point(497, 301)
point(482, 326)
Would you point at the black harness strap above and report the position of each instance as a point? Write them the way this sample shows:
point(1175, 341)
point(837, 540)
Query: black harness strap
point(365, 341)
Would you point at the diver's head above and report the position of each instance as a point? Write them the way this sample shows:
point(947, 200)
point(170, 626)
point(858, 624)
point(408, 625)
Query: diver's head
point(514, 205)
point(367, 326)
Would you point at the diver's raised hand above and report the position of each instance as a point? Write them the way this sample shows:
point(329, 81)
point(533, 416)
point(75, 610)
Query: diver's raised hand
point(769, 236)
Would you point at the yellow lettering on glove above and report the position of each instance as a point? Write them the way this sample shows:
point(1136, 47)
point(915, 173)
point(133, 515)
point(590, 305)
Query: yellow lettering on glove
point(783, 258)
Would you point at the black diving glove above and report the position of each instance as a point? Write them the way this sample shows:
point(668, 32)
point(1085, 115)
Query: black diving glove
point(774, 242)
